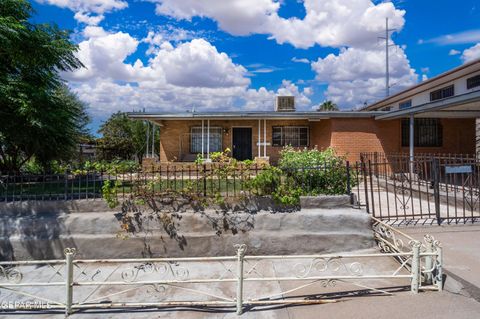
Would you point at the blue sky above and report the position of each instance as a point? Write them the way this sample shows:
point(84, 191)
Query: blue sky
point(170, 55)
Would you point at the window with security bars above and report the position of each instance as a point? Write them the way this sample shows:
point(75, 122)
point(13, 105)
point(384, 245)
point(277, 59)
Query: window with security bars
point(196, 139)
point(405, 104)
point(473, 82)
point(426, 133)
point(442, 93)
point(296, 136)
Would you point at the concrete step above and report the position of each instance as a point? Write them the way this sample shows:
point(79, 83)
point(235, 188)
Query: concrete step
point(96, 234)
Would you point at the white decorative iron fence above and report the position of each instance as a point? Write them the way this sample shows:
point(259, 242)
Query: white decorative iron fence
point(240, 282)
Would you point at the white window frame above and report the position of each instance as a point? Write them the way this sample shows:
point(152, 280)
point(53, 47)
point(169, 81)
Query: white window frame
point(216, 139)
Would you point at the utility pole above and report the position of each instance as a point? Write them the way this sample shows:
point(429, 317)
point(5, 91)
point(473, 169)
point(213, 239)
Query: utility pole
point(387, 45)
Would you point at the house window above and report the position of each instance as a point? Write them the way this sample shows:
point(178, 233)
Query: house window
point(387, 108)
point(405, 104)
point(442, 93)
point(290, 135)
point(196, 139)
point(473, 82)
point(427, 133)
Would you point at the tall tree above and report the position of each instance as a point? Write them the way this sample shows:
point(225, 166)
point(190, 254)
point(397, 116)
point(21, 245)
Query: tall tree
point(39, 117)
point(124, 138)
point(328, 106)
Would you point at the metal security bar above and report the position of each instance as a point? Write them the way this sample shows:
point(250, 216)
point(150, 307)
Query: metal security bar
point(430, 189)
point(230, 282)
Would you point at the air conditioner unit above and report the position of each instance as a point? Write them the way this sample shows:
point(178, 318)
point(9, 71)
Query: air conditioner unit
point(285, 104)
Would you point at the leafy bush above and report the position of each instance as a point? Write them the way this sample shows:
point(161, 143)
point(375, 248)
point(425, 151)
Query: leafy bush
point(304, 172)
point(32, 166)
point(267, 181)
point(112, 167)
point(291, 158)
point(316, 172)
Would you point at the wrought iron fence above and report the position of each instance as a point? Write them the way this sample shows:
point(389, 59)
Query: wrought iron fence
point(207, 180)
point(431, 189)
point(238, 282)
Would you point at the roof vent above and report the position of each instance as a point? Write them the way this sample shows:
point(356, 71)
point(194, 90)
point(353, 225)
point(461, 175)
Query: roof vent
point(285, 104)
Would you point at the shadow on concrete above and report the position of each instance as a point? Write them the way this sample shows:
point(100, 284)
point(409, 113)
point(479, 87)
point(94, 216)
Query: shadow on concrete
point(334, 296)
point(38, 229)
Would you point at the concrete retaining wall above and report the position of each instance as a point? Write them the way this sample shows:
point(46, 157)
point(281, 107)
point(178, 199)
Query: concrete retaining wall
point(95, 235)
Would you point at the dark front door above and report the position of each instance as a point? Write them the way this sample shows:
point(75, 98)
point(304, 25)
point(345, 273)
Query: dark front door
point(242, 143)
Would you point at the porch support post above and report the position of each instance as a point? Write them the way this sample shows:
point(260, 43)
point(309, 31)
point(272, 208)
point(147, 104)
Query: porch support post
point(153, 139)
point(208, 139)
point(203, 134)
point(147, 153)
point(259, 148)
point(264, 137)
point(411, 142)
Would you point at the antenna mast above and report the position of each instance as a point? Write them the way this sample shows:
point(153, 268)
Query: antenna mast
point(387, 45)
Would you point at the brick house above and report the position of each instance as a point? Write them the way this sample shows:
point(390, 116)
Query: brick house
point(435, 116)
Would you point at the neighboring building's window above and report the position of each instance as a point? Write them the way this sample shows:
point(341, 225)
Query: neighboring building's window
point(427, 133)
point(196, 139)
point(473, 82)
point(290, 135)
point(405, 104)
point(442, 93)
point(387, 108)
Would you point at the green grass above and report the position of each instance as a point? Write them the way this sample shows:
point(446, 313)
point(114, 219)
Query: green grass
point(83, 189)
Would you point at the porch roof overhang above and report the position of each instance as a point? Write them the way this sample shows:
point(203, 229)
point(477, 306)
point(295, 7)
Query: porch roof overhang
point(311, 116)
point(461, 106)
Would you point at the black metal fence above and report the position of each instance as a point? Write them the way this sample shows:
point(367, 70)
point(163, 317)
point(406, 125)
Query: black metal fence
point(207, 180)
point(431, 188)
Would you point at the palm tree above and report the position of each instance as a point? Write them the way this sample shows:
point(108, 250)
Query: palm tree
point(328, 106)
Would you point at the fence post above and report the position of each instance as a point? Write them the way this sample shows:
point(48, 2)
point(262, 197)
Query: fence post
point(349, 187)
point(365, 185)
point(241, 249)
point(436, 188)
point(372, 206)
point(205, 180)
point(65, 184)
point(439, 268)
point(428, 259)
point(375, 161)
point(415, 270)
point(69, 254)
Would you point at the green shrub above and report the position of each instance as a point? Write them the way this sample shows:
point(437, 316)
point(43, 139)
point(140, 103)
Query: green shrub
point(266, 182)
point(302, 172)
point(32, 167)
point(291, 158)
point(109, 192)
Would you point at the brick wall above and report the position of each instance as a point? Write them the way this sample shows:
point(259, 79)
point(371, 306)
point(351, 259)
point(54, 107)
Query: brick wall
point(349, 136)
point(175, 137)
point(352, 136)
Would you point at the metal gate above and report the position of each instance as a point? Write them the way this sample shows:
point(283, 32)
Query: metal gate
point(429, 189)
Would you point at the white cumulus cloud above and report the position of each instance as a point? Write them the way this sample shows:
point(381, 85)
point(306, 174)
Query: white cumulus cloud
point(327, 23)
point(471, 53)
point(198, 64)
point(357, 75)
point(88, 11)
point(175, 78)
point(454, 52)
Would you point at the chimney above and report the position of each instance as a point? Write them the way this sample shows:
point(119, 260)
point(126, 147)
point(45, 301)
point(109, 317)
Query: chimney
point(285, 104)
